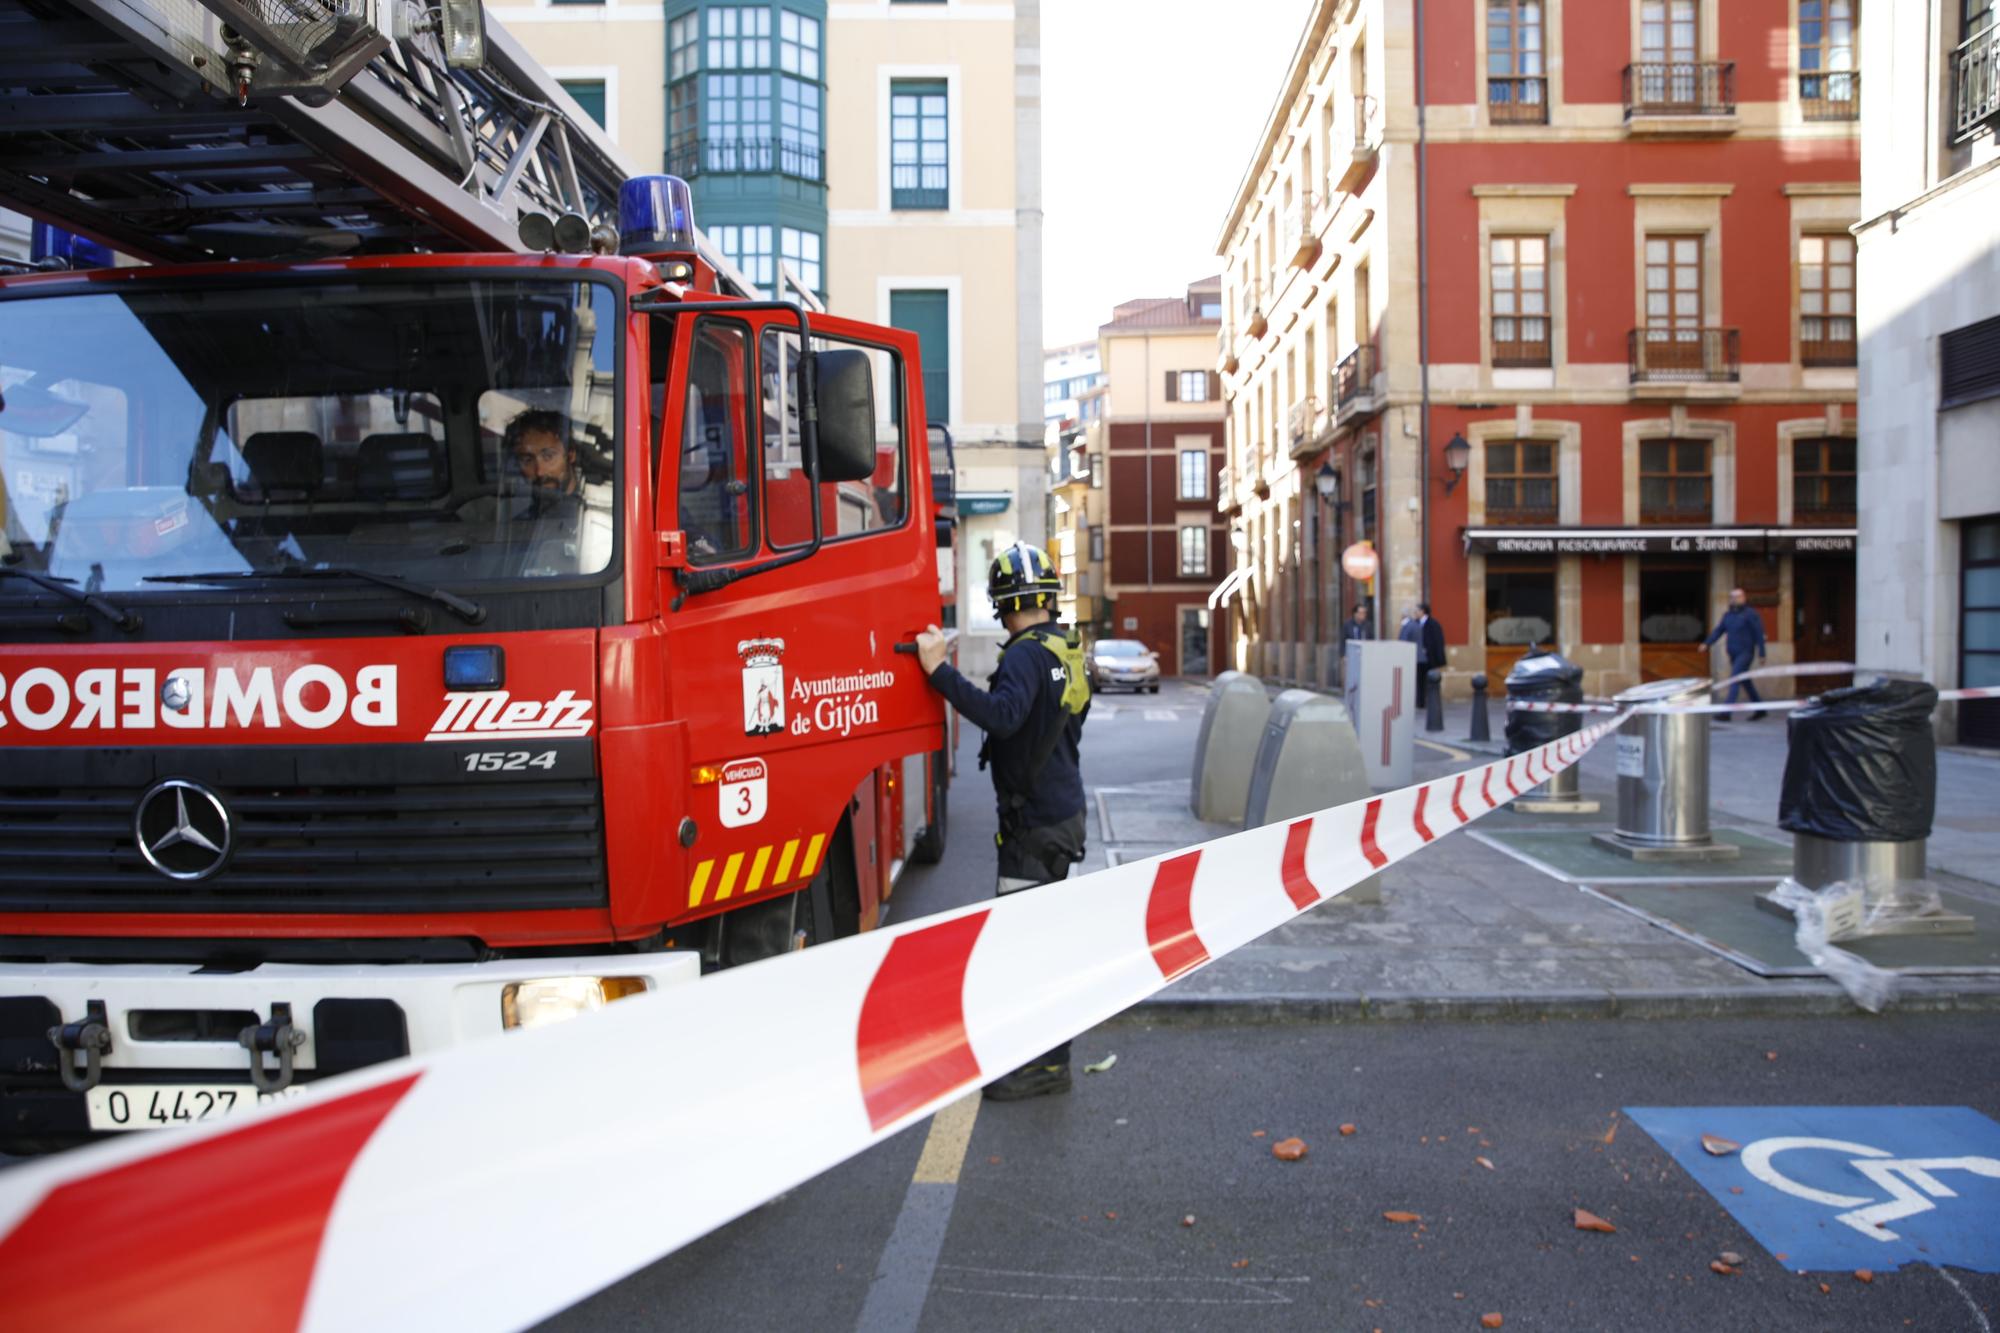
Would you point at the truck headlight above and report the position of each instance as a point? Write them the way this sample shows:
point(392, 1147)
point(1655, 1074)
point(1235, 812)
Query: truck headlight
point(535, 1004)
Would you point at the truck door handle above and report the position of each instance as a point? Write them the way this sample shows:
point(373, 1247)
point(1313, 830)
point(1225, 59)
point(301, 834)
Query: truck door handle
point(908, 647)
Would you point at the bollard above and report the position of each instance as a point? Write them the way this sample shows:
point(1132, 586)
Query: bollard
point(1663, 779)
point(1481, 729)
point(1434, 710)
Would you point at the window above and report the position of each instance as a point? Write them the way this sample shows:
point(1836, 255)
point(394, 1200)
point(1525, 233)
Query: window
point(1188, 386)
point(1520, 603)
point(739, 38)
point(684, 46)
point(789, 503)
point(586, 93)
point(716, 502)
point(1667, 77)
point(1211, 310)
point(1366, 518)
point(927, 314)
point(749, 248)
point(1823, 482)
point(798, 45)
point(1194, 474)
point(1970, 358)
point(1097, 472)
point(1194, 550)
point(919, 152)
point(1979, 629)
point(684, 127)
point(1521, 483)
point(1667, 30)
point(801, 251)
point(1515, 91)
point(1518, 268)
point(1829, 86)
point(799, 129)
point(1097, 544)
point(1826, 300)
point(1673, 284)
point(738, 108)
point(1674, 482)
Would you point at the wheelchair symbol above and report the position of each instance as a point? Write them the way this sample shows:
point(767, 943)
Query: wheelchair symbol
point(1908, 1181)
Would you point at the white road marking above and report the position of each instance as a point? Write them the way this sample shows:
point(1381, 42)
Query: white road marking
point(1160, 714)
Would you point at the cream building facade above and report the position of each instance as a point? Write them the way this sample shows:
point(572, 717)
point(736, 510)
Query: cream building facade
point(928, 149)
point(1929, 595)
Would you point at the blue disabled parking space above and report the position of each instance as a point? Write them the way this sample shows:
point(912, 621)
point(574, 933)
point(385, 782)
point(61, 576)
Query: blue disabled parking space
point(1847, 1187)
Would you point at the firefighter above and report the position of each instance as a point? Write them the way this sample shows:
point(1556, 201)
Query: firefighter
point(1032, 714)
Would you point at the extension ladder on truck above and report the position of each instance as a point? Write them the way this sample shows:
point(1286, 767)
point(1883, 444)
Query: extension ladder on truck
point(174, 130)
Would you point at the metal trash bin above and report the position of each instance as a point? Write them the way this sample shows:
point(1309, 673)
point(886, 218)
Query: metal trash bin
point(1663, 778)
point(1546, 678)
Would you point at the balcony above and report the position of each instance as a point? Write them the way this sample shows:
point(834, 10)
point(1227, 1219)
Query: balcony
point(1830, 95)
point(1681, 97)
point(746, 157)
point(1260, 477)
point(1226, 498)
point(1684, 363)
point(1520, 341)
point(1302, 230)
point(1306, 427)
point(1975, 68)
point(1826, 340)
point(1517, 100)
point(1258, 325)
point(1353, 386)
point(1362, 148)
point(1225, 349)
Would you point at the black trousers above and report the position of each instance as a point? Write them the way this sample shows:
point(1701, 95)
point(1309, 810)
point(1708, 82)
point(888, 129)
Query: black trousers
point(1034, 857)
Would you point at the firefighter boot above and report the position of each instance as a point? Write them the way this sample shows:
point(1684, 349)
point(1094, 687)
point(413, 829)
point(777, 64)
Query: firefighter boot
point(1030, 1080)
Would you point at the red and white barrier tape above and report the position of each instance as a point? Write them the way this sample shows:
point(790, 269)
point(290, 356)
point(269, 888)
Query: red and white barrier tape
point(498, 1183)
point(1748, 706)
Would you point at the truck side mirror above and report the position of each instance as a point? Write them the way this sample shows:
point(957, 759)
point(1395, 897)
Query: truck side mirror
point(846, 401)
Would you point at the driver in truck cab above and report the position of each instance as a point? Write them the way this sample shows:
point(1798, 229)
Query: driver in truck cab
point(537, 440)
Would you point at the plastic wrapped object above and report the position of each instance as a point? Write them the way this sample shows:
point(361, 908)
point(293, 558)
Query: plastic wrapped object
point(1547, 678)
point(1820, 917)
point(1863, 764)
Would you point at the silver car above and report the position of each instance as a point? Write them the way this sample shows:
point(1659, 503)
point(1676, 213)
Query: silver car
point(1124, 664)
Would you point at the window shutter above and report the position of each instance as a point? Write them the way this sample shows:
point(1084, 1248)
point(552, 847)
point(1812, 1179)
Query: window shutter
point(1214, 387)
point(1173, 388)
point(1970, 360)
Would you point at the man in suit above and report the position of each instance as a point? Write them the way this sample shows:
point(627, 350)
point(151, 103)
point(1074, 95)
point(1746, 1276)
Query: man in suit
point(1430, 650)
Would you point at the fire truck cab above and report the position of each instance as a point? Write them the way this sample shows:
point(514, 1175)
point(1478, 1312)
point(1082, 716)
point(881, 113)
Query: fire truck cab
point(399, 649)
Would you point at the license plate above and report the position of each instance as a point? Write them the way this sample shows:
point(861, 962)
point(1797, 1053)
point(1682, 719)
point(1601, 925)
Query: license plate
point(156, 1105)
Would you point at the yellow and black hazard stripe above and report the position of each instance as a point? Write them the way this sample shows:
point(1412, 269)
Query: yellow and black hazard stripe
point(733, 881)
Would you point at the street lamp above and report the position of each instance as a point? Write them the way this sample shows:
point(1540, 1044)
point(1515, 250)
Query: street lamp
point(1327, 482)
point(1457, 454)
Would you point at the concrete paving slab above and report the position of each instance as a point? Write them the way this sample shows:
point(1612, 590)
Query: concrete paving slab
point(1575, 854)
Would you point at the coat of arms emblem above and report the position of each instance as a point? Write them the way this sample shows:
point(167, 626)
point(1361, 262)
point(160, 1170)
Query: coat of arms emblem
point(763, 685)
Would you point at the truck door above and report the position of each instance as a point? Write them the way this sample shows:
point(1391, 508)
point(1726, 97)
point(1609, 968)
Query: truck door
point(788, 679)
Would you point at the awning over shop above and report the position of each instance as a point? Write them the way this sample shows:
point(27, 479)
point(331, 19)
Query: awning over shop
point(1658, 541)
point(1238, 579)
point(983, 502)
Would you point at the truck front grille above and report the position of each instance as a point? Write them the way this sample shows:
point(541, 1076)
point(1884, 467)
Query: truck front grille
point(307, 846)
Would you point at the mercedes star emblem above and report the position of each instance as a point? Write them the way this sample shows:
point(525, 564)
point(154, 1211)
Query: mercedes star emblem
point(174, 693)
point(183, 829)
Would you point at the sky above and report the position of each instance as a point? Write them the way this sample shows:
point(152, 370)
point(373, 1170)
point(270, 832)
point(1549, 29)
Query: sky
point(1150, 111)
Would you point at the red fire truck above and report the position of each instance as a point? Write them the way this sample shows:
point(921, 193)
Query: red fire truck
point(436, 595)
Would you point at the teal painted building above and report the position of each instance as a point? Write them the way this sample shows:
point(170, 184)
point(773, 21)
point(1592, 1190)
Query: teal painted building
point(746, 127)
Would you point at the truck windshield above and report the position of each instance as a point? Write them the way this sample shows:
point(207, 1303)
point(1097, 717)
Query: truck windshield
point(450, 432)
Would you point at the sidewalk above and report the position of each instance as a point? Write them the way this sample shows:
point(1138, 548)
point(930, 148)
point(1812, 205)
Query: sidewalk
point(1474, 926)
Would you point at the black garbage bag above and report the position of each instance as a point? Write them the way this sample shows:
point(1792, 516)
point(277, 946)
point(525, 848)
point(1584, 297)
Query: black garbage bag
point(1548, 678)
point(1863, 764)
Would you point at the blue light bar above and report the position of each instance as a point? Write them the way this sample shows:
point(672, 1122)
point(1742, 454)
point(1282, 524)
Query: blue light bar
point(475, 667)
point(655, 213)
point(52, 242)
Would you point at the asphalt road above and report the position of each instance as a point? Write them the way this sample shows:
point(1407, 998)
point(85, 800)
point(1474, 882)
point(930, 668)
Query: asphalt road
point(1070, 1210)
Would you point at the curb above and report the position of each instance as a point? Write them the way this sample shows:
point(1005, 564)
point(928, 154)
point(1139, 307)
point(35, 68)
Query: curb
point(1349, 1007)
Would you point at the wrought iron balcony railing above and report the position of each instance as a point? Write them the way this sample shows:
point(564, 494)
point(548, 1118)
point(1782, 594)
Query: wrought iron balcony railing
point(746, 157)
point(1354, 377)
point(1661, 355)
point(1830, 95)
point(1680, 88)
point(1976, 82)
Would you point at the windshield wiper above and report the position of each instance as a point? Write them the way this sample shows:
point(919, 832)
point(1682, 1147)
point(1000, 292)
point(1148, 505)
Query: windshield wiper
point(471, 612)
point(110, 610)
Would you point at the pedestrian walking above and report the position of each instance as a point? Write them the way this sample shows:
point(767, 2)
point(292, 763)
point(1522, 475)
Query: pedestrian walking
point(1742, 632)
point(1429, 638)
point(1032, 713)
